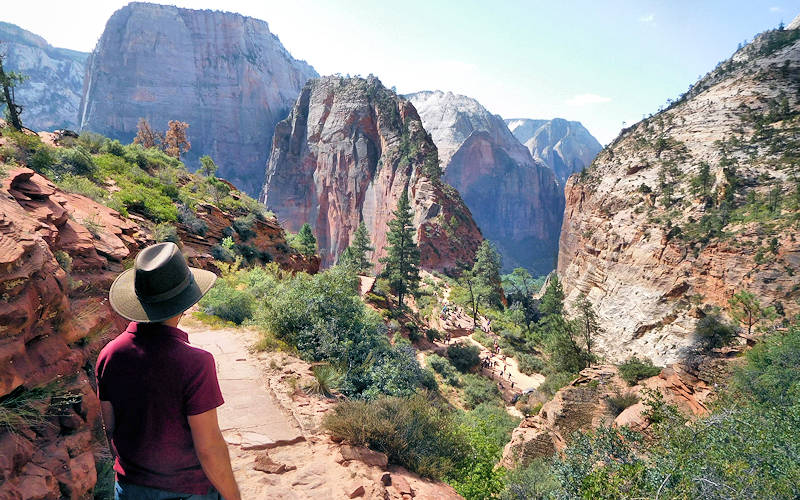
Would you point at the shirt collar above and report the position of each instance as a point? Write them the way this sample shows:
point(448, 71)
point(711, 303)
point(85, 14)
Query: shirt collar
point(157, 329)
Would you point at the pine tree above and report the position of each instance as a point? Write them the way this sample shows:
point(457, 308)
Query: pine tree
point(360, 247)
point(402, 259)
point(486, 270)
point(553, 298)
point(175, 140)
point(306, 241)
point(589, 326)
point(207, 166)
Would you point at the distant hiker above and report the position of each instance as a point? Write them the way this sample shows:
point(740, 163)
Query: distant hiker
point(158, 394)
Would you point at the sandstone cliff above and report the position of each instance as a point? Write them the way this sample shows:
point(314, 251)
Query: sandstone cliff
point(52, 93)
point(224, 74)
point(346, 152)
point(691, 205)
point(564, 146)
point(515, 200)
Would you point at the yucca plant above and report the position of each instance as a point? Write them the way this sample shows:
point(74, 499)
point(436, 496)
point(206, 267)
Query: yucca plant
point(326, 379)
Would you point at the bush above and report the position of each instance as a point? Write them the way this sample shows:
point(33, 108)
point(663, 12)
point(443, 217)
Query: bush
point(771, 376)
point(114, 147)
point(618, 401)
point(713, 332)
point(244, 226)
point(464, 357)
point(222, 253)
point(414, 432)
point(193, 223)
point(634, 369)
point(64, 260)
point(166, 232)
point(91, 141)
point(432, 334)
point(77, 161)
point(42, 160)
point(529, 364)
point(228, 303)
point(444, 368)
point(326, 378)
point(479, 390)
point(81, 185)
point(535, 480)
point(150, 202)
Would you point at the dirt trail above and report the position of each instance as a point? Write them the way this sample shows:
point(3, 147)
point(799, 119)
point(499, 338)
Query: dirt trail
point(273, 430)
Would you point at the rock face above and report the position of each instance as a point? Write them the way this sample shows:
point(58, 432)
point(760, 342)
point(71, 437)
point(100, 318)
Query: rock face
point(515, 200)
point(692, 205)
point(345, 154)
point(52, 93)
point(564, 146)
point(224, 74)
point(584, 404)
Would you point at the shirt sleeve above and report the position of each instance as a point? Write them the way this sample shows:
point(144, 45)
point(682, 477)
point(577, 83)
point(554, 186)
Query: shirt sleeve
point(202, 390)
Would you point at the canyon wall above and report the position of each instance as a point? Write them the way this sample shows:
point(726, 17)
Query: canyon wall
point(564, 146)
point(691, 205)
point(224, 74)
point(52, 92)
point(344, 155)
point(515, 200)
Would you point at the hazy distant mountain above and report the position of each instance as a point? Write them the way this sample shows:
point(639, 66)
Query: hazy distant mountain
point(52, 93)
point(564, 146)
point(515, 200)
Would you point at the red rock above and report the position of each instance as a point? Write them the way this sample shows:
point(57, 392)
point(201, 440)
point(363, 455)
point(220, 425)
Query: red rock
point(400, 484)
point(362, 454)
point(264, 463)
point(358, 492)
point(14, 451)
point(36, 483)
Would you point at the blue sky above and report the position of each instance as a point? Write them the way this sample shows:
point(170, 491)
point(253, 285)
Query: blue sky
point(600, 62)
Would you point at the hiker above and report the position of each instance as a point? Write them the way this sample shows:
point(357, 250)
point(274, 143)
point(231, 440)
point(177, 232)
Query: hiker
point(158, 394)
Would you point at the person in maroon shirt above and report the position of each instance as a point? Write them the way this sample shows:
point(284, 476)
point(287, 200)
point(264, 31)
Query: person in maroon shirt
point(158, 394)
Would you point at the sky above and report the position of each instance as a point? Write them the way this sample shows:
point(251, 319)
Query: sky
point(600, 62)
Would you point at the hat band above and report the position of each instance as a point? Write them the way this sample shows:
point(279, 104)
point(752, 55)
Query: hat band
point(174, 292)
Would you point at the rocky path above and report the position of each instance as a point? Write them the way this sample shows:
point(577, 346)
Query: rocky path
point(272, 427)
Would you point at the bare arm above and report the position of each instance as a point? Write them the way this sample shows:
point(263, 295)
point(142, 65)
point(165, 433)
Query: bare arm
point(212, 450)
point(107, 411)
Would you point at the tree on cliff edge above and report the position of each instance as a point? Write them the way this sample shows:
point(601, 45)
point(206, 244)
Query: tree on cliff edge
point(355, 255)
point(175, 140)
point(9, 80)
point(306, 242)
point(402, 259)
point(146, 135)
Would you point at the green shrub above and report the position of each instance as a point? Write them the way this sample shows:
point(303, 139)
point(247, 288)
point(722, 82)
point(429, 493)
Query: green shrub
point(148, 201)
point(43, 160)
point(535, 480)
point(530, 364)
point(555, 381)
point(326, 378)
point(81, 185)
point(91, 142)
point(414, 432)
point(244, 226)
point(191, 221)
point(33, 407)
point(114, 147)
point(64, 260)
point(479, 390)
point(618, 401)
point(227, 302)
point(166, 232)
point(713, 332)
point(634, 369)
point(432, 334)
point(771, 376)
point(463, 356)
point(443, 367)
point(76, 161)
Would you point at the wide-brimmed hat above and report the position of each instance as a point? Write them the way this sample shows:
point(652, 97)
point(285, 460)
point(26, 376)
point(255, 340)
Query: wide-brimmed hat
point(160, 285)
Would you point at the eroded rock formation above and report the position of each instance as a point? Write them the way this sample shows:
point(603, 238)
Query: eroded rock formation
point(51, 94)
point(564, 146)
point(348, 150)
point(224, 74)
point(692, 205)
point(515, 200)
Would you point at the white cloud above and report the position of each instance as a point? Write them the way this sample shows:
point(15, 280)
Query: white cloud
point(649, 18)
point(586, 99)
point(775, 9)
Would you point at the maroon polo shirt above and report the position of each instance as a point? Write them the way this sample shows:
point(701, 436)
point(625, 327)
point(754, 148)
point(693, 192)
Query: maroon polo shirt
point(154, 379)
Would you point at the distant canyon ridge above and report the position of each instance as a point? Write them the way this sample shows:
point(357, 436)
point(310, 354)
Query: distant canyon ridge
point(232, 81)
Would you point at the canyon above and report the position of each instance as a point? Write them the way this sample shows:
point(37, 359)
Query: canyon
point(515, 200)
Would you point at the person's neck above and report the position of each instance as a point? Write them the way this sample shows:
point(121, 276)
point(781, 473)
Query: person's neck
point(173, 322)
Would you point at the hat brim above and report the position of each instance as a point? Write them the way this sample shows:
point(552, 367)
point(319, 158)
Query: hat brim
point(123, 299)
